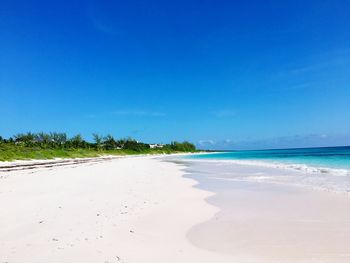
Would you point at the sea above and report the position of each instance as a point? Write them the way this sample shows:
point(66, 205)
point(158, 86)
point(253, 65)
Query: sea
point(324, 168)
point(275, 204)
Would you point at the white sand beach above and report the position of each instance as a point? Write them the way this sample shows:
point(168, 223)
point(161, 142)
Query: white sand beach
point(143, 209)
point(133, 209)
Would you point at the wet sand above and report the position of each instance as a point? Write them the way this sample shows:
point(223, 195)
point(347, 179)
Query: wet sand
point(271, 222)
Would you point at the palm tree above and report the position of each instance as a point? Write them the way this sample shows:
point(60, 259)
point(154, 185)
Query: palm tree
point(77, 141)
point(43, 139)
point(98, 141)
point(27, 139)
point(58, 139)
point(109, 142)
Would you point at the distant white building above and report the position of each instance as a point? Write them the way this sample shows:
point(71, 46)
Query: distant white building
point(156, 145)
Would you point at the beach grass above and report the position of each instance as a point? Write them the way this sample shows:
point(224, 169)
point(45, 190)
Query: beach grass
point(11, 153)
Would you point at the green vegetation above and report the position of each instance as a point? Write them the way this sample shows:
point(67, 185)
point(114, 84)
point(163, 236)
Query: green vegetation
point(59, 145)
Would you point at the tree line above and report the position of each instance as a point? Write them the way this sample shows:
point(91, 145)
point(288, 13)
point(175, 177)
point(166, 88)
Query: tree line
point(58, 140)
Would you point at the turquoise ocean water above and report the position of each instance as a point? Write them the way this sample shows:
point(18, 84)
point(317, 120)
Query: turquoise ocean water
point(320, 168)
point(325, 157)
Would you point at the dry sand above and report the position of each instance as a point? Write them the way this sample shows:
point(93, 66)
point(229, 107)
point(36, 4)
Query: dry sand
point(135, 209)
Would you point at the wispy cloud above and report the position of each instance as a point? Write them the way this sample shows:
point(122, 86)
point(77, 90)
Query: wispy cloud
point(224, 113)
point(325, 62)
point(99, 26)
point(296, 141)
point(138, 113)
point(97, 20)
point(214, 144)
point(203, 143)
point(130, 113)
point(301, 86)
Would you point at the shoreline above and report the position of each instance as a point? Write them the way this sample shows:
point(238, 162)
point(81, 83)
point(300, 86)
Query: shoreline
point(317, 178)
point(279, 165)
point(266, 222)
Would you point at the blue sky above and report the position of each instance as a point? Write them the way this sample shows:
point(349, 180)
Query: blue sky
point(222, 74)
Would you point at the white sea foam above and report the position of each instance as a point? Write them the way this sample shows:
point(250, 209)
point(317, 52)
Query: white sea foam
point(317, 178)
point(294, 166)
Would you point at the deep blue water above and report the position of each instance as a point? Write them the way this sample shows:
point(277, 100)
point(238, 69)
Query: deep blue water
point(327, 157)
